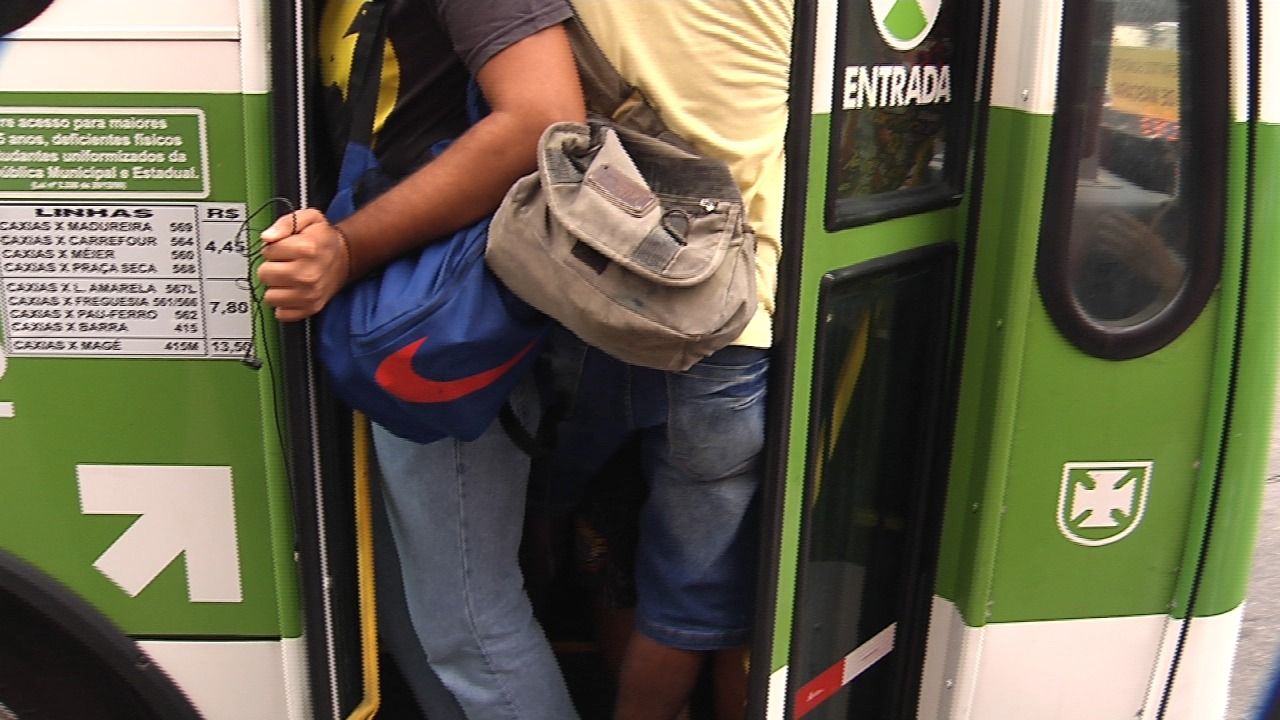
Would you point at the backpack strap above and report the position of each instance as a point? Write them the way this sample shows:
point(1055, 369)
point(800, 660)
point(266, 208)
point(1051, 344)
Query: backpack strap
point(606, 91)
point(364, 80)
point(533, 444)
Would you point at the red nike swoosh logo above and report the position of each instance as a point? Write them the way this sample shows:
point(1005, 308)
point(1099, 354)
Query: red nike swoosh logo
point(396, 375)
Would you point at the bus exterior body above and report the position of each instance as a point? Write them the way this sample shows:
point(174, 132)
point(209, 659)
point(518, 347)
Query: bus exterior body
point(1024, 364)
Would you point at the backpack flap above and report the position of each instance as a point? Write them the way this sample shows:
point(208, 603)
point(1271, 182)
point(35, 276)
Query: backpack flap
point(665, 214)
point(638, 247)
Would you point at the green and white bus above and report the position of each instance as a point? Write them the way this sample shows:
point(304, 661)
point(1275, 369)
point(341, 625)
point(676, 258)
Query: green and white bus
point(1024, 366)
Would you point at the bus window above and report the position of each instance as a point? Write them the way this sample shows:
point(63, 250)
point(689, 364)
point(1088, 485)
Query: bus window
point(872, 484)
point(1132, 228)
point(896, 133)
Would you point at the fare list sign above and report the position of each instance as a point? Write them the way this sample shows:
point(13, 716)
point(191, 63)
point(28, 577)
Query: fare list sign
point(125, 280)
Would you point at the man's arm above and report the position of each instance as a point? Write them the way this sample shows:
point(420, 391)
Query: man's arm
point(528, 86)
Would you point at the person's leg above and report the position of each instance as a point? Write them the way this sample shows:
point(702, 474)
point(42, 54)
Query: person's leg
point(656, 680)
point(697, 552)
point(729, 674)
point(455, 512)
point(395, 629)
point(660, 680)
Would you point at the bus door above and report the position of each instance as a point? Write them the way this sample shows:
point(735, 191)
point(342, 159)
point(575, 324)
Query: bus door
point(146, 501)
point(1021, 434)
point(1106, 461)
point(874, 238)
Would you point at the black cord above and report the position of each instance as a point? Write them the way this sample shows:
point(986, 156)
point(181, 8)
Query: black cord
point(253, 253)
point(257, 319)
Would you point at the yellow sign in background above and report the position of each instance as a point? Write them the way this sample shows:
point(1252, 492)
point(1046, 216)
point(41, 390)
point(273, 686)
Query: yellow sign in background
point(1144, 81)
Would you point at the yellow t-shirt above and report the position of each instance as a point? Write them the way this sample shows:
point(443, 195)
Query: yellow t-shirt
point(716, 71)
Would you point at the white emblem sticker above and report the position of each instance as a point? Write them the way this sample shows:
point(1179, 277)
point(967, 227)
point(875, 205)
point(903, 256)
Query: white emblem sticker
point(904, 23)
point(1102, 502)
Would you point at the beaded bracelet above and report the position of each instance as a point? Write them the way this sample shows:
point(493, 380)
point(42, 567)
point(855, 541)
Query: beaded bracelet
point(346, 246)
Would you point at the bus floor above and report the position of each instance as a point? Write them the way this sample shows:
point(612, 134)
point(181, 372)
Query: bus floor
point(581, 656)
point(582, 636)
point(585, 637)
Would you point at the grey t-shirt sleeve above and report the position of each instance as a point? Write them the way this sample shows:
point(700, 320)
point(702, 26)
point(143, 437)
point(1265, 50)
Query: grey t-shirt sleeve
point(480, 29)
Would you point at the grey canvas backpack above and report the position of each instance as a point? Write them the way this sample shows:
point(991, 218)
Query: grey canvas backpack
point(626, 235)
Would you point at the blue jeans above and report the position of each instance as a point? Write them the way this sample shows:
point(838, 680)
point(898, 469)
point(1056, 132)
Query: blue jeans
point(455, 512)
point(701, 434)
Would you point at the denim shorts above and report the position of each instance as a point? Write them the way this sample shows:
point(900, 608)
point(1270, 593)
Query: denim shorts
point(700, 433)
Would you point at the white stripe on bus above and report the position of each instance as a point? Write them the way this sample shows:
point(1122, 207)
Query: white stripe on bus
point(1066, 669)
point(245, 680)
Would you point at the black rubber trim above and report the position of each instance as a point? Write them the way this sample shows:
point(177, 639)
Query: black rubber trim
point(1254, 71)
point(782, 361)
point(317, 440)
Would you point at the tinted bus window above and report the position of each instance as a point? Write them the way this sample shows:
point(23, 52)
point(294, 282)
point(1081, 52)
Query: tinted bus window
point(1132, 228)
point(873, 485)
point(900, 99)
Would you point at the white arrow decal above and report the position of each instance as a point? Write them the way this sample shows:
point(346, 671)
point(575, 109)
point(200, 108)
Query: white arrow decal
point(182, 509)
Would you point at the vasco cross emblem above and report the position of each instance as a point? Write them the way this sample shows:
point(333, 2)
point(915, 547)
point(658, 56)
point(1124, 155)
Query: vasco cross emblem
point(1101, 503)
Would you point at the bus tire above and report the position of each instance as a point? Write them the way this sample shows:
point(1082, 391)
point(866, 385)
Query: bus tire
point(62, 658)
point(16, 13)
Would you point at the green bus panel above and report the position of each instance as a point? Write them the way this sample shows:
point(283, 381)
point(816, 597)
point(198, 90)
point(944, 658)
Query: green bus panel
point(79, 420)
point(1250, 329)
